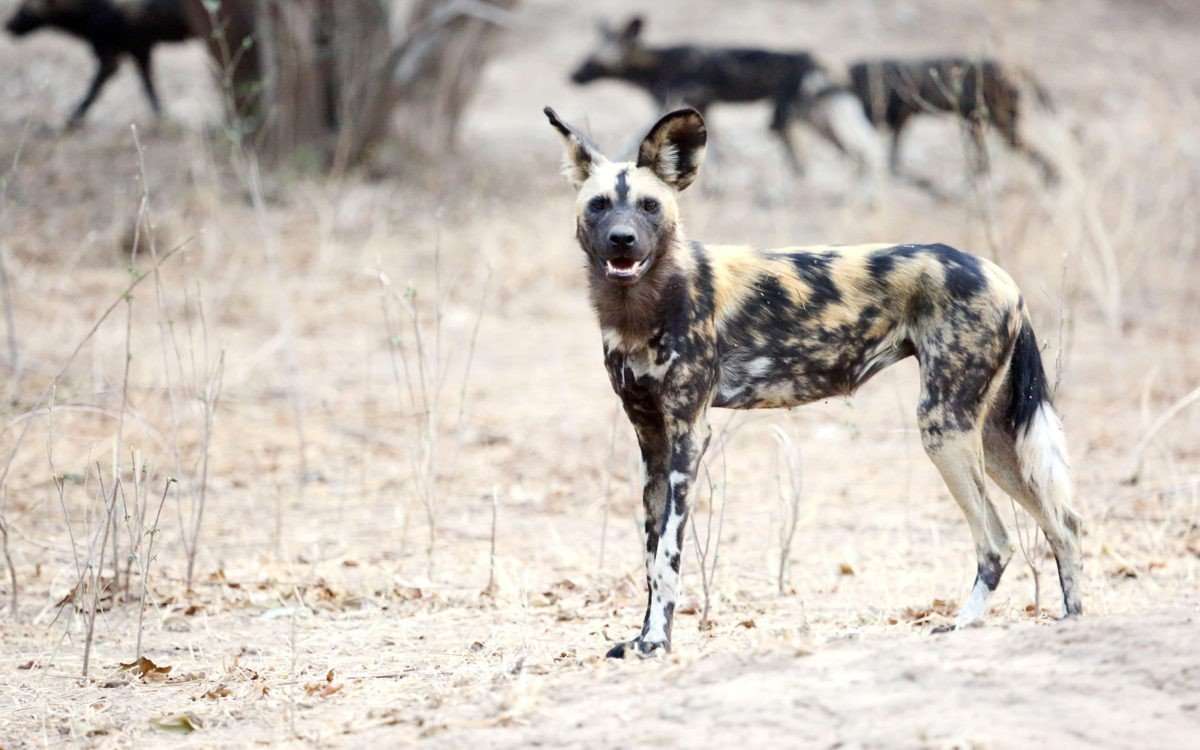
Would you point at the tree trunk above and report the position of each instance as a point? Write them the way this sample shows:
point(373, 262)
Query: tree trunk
point(316, 82)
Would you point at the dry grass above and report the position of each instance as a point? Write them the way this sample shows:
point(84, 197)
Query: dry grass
point(315, 614)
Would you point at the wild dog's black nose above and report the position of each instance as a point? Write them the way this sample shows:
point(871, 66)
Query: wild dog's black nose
point(621, 237)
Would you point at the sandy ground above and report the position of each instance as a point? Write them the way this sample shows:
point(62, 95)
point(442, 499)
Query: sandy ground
point(319, 615)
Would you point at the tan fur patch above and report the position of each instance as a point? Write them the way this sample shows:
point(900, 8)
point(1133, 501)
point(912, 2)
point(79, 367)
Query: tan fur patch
point(734, 268)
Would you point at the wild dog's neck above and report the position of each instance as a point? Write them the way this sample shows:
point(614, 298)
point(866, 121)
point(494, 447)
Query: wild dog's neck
point(76, 21)
point(636, 313)
point(643, 67)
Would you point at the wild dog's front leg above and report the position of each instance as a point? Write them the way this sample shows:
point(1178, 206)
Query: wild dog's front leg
point(686, 443)
point(652, 440)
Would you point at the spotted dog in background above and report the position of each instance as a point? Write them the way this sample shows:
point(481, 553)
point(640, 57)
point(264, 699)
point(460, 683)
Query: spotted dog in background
point(701, 76)
point(979, 91)
point(687, 326)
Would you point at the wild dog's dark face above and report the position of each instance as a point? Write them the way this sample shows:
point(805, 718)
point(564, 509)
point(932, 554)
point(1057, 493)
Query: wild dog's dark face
point(627, 213)
point(612, 57)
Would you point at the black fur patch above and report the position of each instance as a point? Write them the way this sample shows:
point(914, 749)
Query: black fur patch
point(990, 570)
point(816, 270)
point(622, 187)
point(964, 275)
point(1028, 378)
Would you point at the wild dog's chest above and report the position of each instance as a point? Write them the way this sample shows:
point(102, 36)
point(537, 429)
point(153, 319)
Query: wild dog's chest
point(637, 368)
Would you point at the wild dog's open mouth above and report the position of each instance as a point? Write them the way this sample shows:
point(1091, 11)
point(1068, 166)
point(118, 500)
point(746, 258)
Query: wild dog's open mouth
point(624, 269)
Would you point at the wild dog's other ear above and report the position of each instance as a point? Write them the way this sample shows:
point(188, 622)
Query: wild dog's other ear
point(674, 147)
point(580, 157)
point(633, 29)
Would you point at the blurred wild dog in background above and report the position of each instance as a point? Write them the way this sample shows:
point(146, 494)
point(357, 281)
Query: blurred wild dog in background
point(687, 326)
point(701, 76)
point(981, 92)
point(113, 28)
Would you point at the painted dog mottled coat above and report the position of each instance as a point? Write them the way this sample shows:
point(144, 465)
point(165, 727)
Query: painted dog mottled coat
point(113, 28)
point(701, 76)
point(687, 326)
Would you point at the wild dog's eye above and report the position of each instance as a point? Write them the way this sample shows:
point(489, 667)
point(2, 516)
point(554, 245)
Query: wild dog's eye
point(598, 204)
point(649, 205)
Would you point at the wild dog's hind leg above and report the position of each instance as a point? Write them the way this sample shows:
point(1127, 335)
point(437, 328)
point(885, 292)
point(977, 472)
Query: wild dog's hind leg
point(1043, 489)
point(958, 456)
point(960, 372)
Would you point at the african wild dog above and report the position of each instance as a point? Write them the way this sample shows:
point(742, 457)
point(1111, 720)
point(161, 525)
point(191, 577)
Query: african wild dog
point(701, 76)
point(978, 91)
point(113, 28)
point(687, 326)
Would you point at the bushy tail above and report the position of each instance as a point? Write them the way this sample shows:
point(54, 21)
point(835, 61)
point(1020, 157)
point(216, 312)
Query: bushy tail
point(1040, 442)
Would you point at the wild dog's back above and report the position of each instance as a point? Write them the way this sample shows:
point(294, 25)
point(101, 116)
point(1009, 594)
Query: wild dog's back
point(796, 325)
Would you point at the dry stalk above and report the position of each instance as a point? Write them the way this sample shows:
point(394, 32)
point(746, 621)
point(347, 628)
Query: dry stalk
point(116, 470)
point(708, 569)
point(211, 396)
point(207, 383)
point(428, 445)
point(144, 565)
point(166, 324)
point(1029, 551)
point(48, 396)
point(12, 570)
point(96, 579)
point(789, 501)
point(706, 572)
point(462, 391)
point(14, 350)
point(491, 585)
point(420, 373)
point(1138, 456)
point(1105, 274)
point(608, 472)
point(135, 520)
point(252, 178)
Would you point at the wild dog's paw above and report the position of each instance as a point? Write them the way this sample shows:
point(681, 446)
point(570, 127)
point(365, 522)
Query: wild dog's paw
point(639, 647)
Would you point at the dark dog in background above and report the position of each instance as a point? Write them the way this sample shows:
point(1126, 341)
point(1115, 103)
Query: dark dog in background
point(113, 29)
point(981, 92)
point(701, 76)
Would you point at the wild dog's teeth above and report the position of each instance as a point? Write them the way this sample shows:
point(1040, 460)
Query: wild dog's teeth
point(623, 270)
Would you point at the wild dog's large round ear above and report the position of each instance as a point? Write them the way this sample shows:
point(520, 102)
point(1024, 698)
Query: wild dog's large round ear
point(633, 29)
point(674, 147)
point(580, 157)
